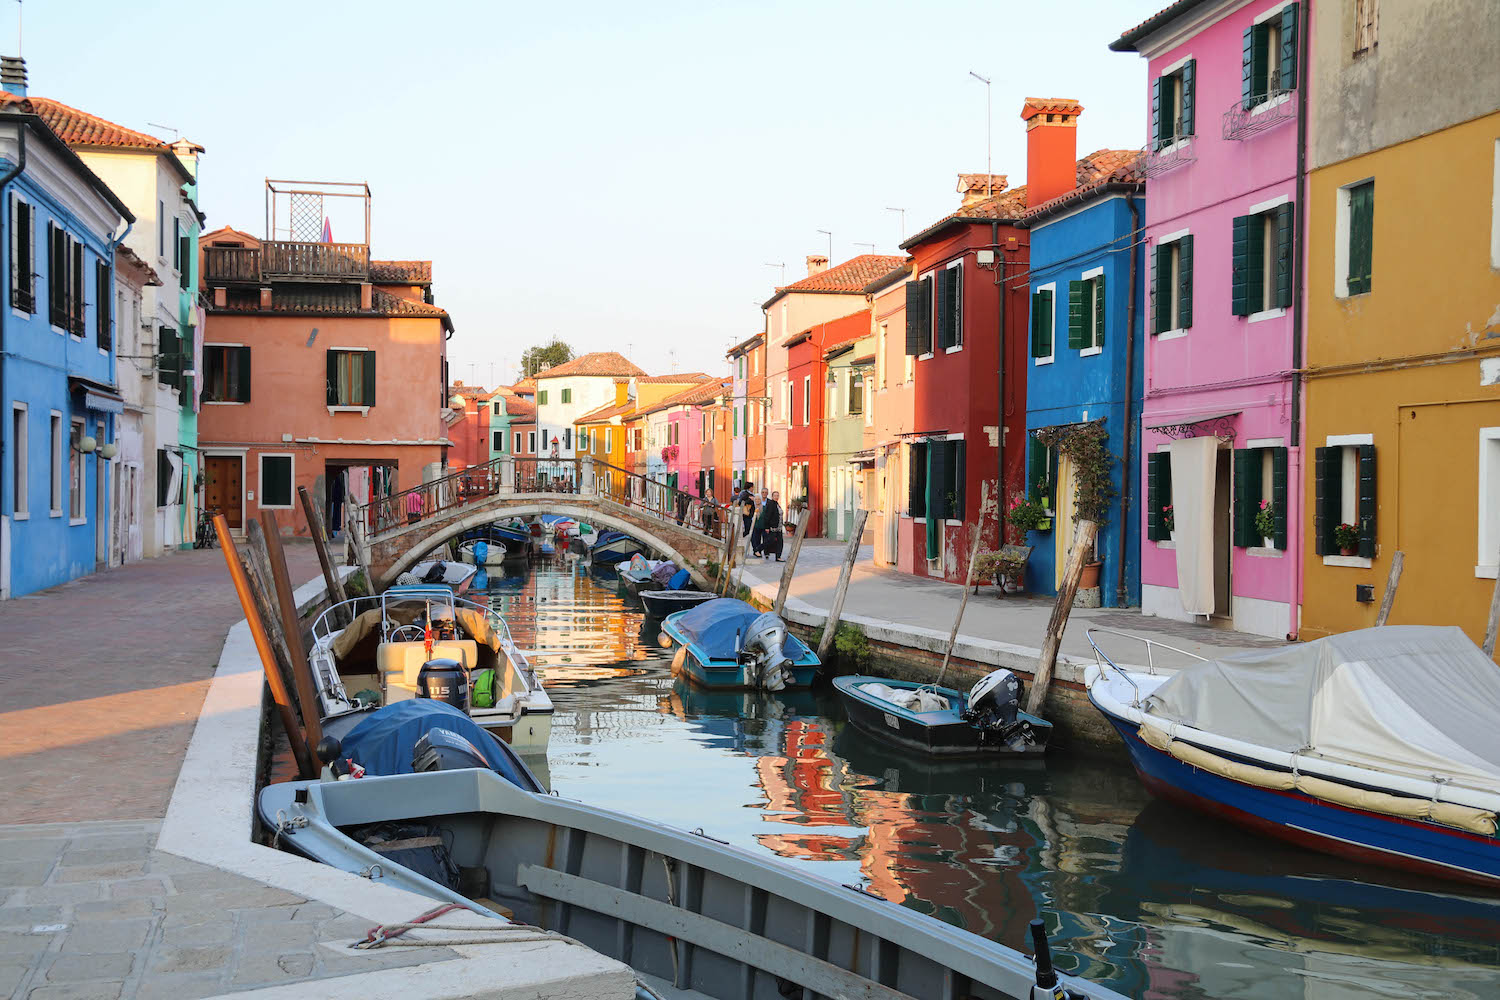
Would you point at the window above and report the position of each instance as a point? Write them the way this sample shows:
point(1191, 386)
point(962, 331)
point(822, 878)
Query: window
point(1041, 469)
point(76, 506)
point(497, 442)
point(1344, 475)
point(169, 357)
point(19, 449)
point(919, 317)
point(351, 377)
point(531, 442)
point(1262, 261)
point(806, 400)
point(541, 397)
point(735, 414)
point(1268, 65)
point(1172, 101)
point(103, 300)
point(786, 400)
point(495, 408)
point(161, 230)
point(1172, 285)
point(946, 479)
point(567, 396)
point(516, 442)
point(880, 341)
point(567, 441)
point(226, 374)
point(1366, 25)
point(275, 481)
point(1259, 477)
point(1487, 563)
point(1086, 314)
point(1158, 495)
point(910, 367)
point(55, 484)
point(609, 440)
point(23, 256)
point(857, 393)
point(833, 394)
point(176, 245)
point(1041, 324)
point(65, 281)
point(1356, 238)
point(950, 326)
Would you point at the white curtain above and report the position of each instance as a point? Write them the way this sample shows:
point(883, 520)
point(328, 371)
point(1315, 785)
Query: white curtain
point(1193, 469)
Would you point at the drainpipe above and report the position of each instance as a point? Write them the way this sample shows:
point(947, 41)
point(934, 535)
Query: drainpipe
point(1126, 480)
point(1001, 399)
point(5, 180)
point(1295, 449)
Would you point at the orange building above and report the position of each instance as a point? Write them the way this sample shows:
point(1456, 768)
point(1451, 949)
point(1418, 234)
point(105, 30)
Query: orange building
point(349, 366)
point(468, 419)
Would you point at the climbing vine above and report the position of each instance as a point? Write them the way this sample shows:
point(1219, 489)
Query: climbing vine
point(1086, 445)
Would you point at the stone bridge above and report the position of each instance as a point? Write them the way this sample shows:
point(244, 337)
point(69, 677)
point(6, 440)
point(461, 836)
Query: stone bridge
point(395, 549)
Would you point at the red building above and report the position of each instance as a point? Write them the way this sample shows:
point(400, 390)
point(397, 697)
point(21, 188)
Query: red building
point(807, 375)
point(468, 426)
point(967, 316)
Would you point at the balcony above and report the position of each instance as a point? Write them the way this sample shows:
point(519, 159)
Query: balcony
point(1167, 157)
point(1273, 108)
point(286, 260)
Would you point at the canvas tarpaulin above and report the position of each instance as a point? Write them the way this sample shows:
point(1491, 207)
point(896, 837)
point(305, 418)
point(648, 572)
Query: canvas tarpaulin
point(1416, 700)
point(1193, 468)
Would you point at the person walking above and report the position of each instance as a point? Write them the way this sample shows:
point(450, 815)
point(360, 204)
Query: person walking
point(768, 527)
point(744, 505)
point(757, 534)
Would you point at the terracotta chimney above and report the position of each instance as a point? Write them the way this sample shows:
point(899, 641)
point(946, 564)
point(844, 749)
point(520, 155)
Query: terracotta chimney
point(981, 187)
point(816, 264)
point(1051, 147)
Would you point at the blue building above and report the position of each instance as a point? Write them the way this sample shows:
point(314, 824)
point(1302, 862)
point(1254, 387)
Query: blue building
point(1087, 336)
point(60, 226)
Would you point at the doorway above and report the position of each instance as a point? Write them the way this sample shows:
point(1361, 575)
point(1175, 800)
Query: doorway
point(1223, 539)
point(223, 481)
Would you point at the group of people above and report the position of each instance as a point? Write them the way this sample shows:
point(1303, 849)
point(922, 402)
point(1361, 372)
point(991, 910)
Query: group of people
point(760, 521)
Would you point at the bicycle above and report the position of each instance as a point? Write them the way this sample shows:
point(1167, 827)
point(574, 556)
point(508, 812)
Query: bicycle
point(206, 538)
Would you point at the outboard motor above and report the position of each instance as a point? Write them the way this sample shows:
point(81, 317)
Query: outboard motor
point(445, 750)
point(762, 649)
point(444, 680)
point(994, 706)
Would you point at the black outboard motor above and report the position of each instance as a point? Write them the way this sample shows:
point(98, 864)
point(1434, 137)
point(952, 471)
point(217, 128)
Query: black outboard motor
point(445, 750)
point(444, 680)
point(994, 706)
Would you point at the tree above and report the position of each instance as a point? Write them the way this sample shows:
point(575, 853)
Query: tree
point(547, 355)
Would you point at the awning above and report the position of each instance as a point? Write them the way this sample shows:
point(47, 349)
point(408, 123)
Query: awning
point(1217, 423)
point(97, 395)
point(866, 457)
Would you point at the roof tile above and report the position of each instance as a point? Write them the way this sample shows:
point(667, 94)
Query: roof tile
point(401, 272)
point(850, 276)
point(79, 128)
point(597, 363)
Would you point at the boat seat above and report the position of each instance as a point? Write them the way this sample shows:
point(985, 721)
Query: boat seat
point(400, 662)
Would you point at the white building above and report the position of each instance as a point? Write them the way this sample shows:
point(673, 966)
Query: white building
point(568, 391)
point(133, 482)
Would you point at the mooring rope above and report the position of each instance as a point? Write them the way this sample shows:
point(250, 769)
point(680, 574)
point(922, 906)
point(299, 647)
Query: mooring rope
point(385, 935)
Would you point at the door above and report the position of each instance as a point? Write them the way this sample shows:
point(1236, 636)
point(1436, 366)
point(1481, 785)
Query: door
point(222, 480)
point(1223, 537)
point(892, 475)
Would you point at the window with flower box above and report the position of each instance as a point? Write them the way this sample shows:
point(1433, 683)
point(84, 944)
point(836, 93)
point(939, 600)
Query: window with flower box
point(1260, 484)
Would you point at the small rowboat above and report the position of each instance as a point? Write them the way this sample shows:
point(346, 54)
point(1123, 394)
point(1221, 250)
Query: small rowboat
point(726, 643)
point(944, 722)
point(661, 603)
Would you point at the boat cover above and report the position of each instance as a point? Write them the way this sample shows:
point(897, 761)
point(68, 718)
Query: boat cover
point(383, 742)
point(662, 573)
point(1417, 700)
point(911, 699)
point(716, 627)
point(680, 580)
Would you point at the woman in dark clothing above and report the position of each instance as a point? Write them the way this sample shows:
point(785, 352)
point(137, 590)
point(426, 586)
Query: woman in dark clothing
point(744, 503)
point(769, 527)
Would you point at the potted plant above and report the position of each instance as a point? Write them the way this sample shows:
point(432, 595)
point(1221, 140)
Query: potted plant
point(1346, 537)
point(1167, 520)
point(1042, 494)
point(1265, 523)
point(1028, 515)
point(1006, 567)
point(987, 567)
point(1089, 579)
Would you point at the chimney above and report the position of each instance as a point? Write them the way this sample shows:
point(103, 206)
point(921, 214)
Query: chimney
point(1051, 147)
point(816, 264)
point(981, 187)
point(13, 75)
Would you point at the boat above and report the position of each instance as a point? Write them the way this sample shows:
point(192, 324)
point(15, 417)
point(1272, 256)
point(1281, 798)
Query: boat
point(613, 547)
point(503, 541)
point(479, 552)
point(646, 574)
point(662, 603)
point(944, 722)
point(727, 643)
point(424, 641)
point(1378, 745)
point(694, 916)
point(459, 576)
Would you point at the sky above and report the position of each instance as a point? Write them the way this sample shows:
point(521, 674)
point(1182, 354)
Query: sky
point(616, 175)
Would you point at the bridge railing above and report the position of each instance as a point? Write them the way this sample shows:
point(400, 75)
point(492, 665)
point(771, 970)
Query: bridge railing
point(519, 477)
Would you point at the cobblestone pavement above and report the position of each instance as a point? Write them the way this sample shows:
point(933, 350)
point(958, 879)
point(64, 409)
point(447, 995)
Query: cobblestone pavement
point(103, 678)
point(90, 911)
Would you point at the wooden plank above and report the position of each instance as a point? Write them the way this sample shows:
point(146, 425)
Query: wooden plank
point(703, 932)
point(320, 542)
point(963, 601)
point(1083, 547)
point(307, 692)
point(790, 567)
point(1389, 598)
point(837, 611)
point(1491, 629)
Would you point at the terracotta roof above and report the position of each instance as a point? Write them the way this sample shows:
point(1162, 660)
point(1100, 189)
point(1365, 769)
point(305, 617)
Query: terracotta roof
point(701, 393)
point(1012, 204)
point(1127, 41)
point(744, 345)
point(520, 406)
point(135, 262)
point(685, 378)
point(335, 300)
point(1034, 106)
point(850, 276)
point(79, 128)
point(526, 386)
point(597, 363)
point(401, 272)
point(1126, 176)
point(228, 231)
point(606, 412)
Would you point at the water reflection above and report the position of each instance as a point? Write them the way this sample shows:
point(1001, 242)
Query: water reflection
point(1150, 899)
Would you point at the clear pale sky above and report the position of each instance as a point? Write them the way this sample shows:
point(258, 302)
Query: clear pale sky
point(615, 174)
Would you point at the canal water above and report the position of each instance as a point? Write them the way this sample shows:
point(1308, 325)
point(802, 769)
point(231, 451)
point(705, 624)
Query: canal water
point(1146, 897)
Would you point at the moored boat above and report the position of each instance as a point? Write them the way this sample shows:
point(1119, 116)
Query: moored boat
point(945, 722)
point(661, 603)
point(726, 643)
point(1378, 745)
point(613, 547)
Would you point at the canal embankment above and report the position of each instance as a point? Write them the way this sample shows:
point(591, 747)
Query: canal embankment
point(906, 622)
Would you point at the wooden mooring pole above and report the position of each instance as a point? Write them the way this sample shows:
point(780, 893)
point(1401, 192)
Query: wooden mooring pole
point(850, 556)
point(1083, 547)
point(279, 692)
point(724, 586)
point(291, 623)
point(963, 601)
point(1389, 598)
point(791, 565)
point(320, 542)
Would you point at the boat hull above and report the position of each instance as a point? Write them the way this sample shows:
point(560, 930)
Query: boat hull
point(940, 734)
point(1370, 838)
point(527, 735)
point(660, 603)
point(722, 675)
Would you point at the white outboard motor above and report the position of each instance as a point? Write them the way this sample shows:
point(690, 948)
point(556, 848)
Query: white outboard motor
point(770, 668)
point(998, 693)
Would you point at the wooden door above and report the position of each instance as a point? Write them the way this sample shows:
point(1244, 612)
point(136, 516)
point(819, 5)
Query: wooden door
point(222, 492)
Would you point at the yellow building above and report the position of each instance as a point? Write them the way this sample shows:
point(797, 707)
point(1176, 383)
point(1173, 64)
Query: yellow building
point(1402, 367)
point(600, 434)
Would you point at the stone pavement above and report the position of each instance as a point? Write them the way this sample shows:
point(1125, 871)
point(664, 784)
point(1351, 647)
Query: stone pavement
point(881, 593)
point(102, 680)
point(90, 911)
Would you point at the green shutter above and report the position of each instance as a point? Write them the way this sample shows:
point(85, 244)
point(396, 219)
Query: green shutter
point(1041, 324)
point(916, 480)
point(1289, 47)
point(1260, 63)
point(1328, 475)
point(1158, 116)
point(1158, 494)
point(1189, 74)
point(1279, 498)
point(1185, 282)
point(169, 362)
point(1075, 315)
point(1367, 501)
point(1284, 215)
point(939, 480)
point(1246, 494)
point(1361, 236)
point(242, 369)
point(1160, 273)
point(913, 311)
point(333, 377)
point(1239, 296)
point(924, 319)
point(934, 513)
point(367, 381)
point(163, 478)
point(956, 464)
point(1256, 259)
point(1099, 311)
point(944, 316)
point(1247, 70)
point(1036, 466)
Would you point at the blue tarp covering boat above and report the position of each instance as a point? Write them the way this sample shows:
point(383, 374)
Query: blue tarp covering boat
point(382, 743)
point(714, 635)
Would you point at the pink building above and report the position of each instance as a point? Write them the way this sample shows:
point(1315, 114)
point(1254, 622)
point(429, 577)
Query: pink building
point(1220, 423)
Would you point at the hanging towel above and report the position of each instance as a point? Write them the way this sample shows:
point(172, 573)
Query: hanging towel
point(1193, 468)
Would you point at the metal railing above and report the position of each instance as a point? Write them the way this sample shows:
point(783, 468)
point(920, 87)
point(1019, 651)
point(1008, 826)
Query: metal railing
point(1243, 121)
point(521, 477)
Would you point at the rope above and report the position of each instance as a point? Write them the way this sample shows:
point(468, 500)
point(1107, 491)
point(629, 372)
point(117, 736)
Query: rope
point(384, 935)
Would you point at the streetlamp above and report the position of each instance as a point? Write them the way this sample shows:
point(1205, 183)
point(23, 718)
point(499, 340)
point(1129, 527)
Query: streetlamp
point(988, 175)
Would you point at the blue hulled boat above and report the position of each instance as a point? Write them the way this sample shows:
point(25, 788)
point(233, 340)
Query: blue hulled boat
point(727, 644)
point(1378, 745)
point(614, 546)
